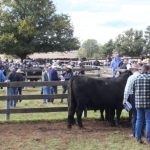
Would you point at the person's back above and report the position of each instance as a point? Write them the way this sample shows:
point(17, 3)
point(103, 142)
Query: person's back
point(20, 76)
point(53, 75)
point(2, 76)
point(12, 90)
point(142, 91)
point(12, 76)
point(142, 103)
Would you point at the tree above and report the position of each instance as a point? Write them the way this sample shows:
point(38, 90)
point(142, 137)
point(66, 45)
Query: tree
point(33, 26)
point(130, 43)
point(147, 40)
point(90, 47)
point(107, 48)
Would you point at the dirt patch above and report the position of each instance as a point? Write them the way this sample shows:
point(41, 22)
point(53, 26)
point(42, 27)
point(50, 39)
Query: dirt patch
point(42, 130)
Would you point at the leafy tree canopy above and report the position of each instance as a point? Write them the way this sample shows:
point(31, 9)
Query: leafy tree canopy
point(107, 48)
point(90, 47)
point(130, 43)
point(28, 26)
point(147, 41)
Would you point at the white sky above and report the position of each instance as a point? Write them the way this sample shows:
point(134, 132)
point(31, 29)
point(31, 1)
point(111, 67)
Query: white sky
point(103, 20)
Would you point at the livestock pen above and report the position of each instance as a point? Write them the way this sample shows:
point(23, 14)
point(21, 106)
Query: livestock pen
point(8, 111)
point(52, 134)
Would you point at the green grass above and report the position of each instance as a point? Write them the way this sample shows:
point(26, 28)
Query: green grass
point(111, 141)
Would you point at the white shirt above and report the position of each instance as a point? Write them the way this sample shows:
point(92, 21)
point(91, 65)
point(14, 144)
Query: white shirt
point(129, 85)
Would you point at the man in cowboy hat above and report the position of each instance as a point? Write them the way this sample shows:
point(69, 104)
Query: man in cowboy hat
point(66, 75)
point(128, 93)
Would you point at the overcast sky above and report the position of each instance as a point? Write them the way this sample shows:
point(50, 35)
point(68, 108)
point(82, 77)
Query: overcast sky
point(105, 19)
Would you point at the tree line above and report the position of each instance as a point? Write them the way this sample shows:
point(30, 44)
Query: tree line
point(129, 43)
point(29, 26)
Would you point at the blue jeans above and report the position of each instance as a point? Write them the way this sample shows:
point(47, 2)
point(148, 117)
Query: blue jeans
point(141, 114)
point(11, 91)
point(134, 113)
point(53, 90)
point(45, 91)
point(134, 118)
point(114, 72)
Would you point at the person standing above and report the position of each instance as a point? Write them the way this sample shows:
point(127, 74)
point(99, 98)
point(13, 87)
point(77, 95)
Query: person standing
point(11, 91)
point(53, 76)
point(142, 103)
point(45, 89)
point(129, 95)
point(115, 64)
point(20, 76)
point(2, 76)
point(66, 75)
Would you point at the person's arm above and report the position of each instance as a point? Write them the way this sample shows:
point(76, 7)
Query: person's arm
point(128, 89)
point(4, 78)
point(43, 74)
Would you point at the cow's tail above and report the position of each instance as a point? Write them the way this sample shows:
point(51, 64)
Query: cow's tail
point(71, 103)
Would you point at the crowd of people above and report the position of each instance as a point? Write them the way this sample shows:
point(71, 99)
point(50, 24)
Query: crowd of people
point(50, 73)
point(11, 71)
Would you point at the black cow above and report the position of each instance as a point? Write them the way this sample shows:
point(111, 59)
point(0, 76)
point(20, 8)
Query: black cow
point(85, 92)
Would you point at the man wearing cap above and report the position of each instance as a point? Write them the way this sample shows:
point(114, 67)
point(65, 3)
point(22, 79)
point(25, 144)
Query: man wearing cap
point(128, 93)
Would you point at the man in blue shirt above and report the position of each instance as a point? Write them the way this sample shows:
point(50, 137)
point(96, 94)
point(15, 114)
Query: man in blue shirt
point(115, 64)
point(53, 76)
point(2, 76)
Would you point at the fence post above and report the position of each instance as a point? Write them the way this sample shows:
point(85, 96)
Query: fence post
point(98, 72)
point(8, 106)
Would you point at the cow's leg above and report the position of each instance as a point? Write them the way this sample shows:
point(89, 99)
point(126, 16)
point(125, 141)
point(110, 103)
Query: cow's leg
point(79, 112)
point(71, 120)
point(107, 114)
point(118, 114)
point(112, 116)
point(102, 114)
